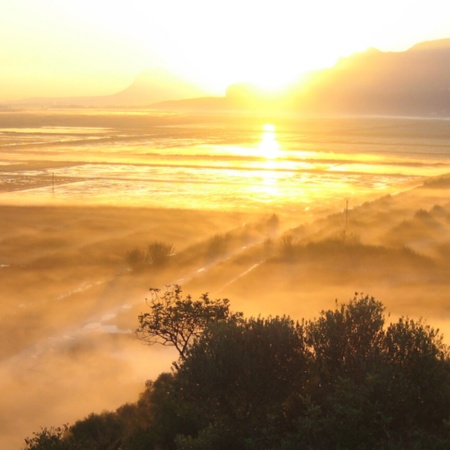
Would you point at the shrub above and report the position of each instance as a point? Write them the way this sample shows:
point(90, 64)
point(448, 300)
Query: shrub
point(136, 259)
point(158, 253)
point(345, 380)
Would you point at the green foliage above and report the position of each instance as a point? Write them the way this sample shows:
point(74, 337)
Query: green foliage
point(48, 439)
point(178, 321)
point(220, 364)
point(346, 341)
point(346, 380)
point(237, 376)
point(97, 431)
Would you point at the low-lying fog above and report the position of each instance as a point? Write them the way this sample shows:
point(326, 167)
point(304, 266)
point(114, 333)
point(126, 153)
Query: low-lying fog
point(70, 297)
point(69, 307)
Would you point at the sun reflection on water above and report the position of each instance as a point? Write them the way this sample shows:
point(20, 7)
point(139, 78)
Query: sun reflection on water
point(269, 147)
point(275, 167)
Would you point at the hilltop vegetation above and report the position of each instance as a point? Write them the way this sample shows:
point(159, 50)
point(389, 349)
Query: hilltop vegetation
point(346, 380)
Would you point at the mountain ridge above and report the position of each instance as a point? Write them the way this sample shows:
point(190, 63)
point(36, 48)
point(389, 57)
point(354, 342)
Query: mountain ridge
point(148, 87)
point(373, 82)
point(413, 82)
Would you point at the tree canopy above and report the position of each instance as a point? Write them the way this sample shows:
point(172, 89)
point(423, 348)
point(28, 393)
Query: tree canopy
point(346, 380)
point(177, 321)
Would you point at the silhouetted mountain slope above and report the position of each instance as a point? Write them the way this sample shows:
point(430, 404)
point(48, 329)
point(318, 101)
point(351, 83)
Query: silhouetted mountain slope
point(149, 87)
point(155, 86)
point(414, 82)
point(195, 104)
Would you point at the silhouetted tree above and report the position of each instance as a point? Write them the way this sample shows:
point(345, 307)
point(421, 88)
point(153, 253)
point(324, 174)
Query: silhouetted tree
point(50, 439)
point(105, 431)
point(346, 341)
point(177, 321)
point(237, 377)
point(345, 380)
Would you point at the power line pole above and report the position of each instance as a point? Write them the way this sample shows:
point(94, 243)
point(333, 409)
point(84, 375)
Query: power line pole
point(346, 219)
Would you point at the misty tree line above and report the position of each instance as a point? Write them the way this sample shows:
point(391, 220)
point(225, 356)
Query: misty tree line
point(346, 380)
point(157, 254)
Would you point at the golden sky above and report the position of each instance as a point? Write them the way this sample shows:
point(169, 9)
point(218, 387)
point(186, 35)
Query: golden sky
point(96, 47)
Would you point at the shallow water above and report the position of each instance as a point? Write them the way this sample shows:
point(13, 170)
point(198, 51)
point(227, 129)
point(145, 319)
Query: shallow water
point(289, 164)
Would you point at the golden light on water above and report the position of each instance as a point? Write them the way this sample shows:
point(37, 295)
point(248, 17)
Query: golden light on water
point(269, 147)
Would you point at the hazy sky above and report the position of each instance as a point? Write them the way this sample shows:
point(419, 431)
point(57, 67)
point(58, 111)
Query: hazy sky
point(85, 47)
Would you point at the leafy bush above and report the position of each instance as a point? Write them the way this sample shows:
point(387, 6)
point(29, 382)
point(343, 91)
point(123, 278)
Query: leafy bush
point(49, 439)
point(346, 380)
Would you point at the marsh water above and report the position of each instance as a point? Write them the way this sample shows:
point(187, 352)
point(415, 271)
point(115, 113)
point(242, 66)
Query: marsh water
point(220, 162)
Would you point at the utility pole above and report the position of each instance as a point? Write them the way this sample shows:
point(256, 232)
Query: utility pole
point(346, 219)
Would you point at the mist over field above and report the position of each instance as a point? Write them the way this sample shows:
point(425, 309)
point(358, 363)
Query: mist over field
point(282, 215)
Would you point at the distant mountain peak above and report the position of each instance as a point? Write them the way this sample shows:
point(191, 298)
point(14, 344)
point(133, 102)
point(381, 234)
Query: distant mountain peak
point(158, 85)
point(151, 86)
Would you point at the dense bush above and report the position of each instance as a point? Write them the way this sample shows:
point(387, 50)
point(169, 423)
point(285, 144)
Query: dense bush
point(346, 380)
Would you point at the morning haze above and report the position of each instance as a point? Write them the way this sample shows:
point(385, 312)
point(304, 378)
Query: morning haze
point(281, 181)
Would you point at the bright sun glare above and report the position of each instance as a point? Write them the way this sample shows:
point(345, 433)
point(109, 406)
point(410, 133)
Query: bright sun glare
point(269, 147)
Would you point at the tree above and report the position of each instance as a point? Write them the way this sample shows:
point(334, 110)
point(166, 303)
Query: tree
point(374, 383)
point(419, 373)
point(345, 341)
point(97, 431)
point(237, 380)
point(343, 381)
point(49, 439)
point(178, 321)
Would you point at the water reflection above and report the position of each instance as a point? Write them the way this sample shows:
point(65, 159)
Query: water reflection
point(279, 168)
point(269, 147)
